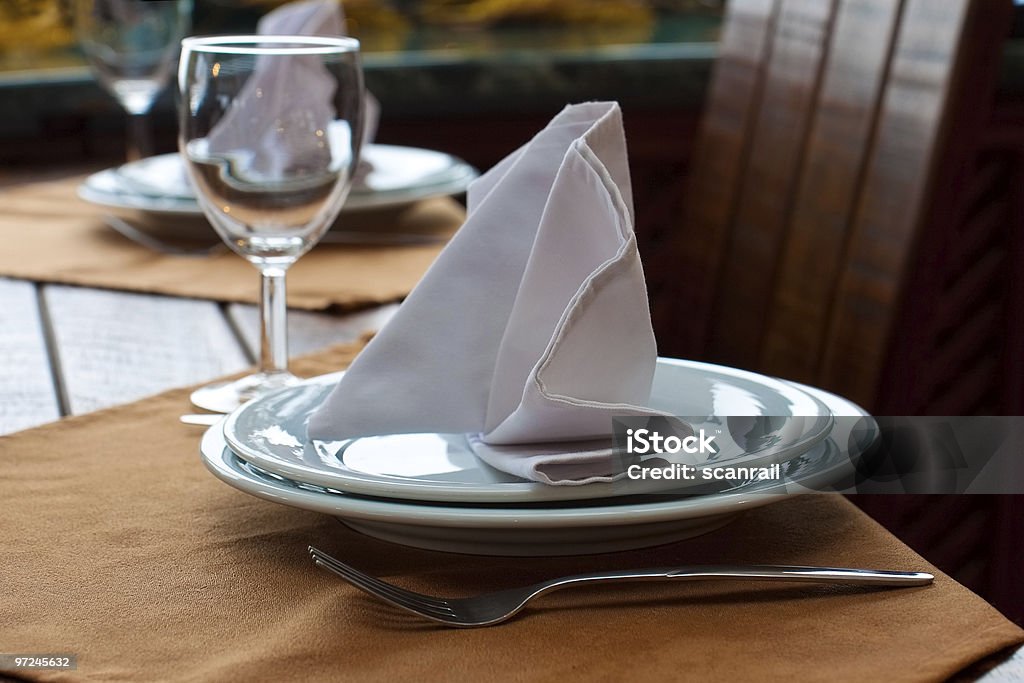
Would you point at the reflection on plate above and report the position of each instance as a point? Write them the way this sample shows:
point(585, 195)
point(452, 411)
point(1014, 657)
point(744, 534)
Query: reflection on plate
point(399, 176)
point(770, 421)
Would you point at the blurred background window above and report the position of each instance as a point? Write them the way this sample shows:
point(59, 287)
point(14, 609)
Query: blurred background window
point(39, 33)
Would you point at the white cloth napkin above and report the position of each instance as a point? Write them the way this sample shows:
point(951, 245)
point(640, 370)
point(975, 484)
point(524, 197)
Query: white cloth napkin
point(532, 327)
point(281, 91)
point(317, 18)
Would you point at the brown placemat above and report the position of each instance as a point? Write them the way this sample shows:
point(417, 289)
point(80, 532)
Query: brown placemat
point(121, 548)
point(49, 235)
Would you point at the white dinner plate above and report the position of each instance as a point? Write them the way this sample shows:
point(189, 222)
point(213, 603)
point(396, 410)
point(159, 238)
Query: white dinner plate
point(568, 528)
point(399, 176)
point(769, 421)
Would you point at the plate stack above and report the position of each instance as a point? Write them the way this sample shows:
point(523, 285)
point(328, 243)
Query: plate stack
point(431, 491)
point(394, 176)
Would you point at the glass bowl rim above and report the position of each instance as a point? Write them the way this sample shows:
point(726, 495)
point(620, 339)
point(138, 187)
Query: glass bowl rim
point(263, 44)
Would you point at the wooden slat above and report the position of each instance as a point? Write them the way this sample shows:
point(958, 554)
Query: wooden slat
point(115, 347)
point(982, 329)
point(27, 392)
point(990, 176)
point(1012, 392)
point(311, 331)
point(900, 171)
point(972, 388)
point(983, 229)
point(961, 298)
point(770, 180)
point(831, 176)
point(718, 162)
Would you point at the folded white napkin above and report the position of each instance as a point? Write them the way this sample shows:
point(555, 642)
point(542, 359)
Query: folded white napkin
point(532, 326)
point(299, 91)
point(317, 18)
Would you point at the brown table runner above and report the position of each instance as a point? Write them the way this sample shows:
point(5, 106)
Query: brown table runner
point(49, 235)
point(121, 548)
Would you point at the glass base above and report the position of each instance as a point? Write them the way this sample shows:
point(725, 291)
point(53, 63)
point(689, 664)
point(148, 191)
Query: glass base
point(224, 397)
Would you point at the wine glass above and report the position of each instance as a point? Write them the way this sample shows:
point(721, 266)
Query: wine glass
point(131, 47)
point(270, 131)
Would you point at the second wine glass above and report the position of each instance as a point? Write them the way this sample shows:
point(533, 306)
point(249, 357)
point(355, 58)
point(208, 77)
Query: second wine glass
point(131, 47)
point(270, 131)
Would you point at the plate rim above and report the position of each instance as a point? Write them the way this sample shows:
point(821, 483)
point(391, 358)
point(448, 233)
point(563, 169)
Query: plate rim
point(456, 181)
point(216, 454)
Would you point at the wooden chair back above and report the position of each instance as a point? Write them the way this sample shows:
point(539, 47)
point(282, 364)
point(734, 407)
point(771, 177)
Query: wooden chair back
point(830, 196)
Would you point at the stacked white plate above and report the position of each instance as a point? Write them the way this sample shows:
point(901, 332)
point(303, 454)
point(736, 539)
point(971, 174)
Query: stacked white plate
point(430, 491)
point(397, 176)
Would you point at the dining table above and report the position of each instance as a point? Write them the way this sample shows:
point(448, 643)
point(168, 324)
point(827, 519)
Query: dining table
point(123, 551)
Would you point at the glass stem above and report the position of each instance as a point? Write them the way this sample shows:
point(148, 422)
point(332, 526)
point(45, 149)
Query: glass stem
point(137, 144)
point(273, 321)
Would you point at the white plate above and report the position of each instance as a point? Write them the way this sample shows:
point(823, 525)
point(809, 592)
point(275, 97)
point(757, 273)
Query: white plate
point(270, 432)
point(399, 176)
point(553, 528)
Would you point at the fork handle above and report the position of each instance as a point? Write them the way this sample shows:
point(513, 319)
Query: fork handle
point(864, 577)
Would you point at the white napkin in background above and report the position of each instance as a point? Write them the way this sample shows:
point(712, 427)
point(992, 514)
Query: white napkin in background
point(531, 327)
point(280, 91)
point(318, 18)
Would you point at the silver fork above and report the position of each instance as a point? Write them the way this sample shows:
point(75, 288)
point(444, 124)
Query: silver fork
point(493, 608)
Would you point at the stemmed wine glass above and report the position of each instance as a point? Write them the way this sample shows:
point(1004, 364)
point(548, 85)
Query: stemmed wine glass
point(131, 47)
point(270, 131)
